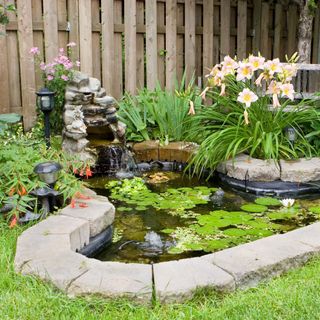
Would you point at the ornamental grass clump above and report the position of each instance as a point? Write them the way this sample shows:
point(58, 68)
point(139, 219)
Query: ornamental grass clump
point(252, 109)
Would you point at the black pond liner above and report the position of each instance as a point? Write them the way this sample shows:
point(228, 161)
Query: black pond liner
point(98, 243)
point(273, 188)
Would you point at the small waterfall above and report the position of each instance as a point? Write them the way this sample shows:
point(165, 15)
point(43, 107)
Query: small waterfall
point(116, 160)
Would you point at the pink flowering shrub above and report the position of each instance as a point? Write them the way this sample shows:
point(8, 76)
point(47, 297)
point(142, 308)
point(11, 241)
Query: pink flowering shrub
point(56, 75)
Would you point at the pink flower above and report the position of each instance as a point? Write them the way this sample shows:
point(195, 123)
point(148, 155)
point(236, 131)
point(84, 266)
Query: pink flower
point(61, 50)
point(49, 77)
point(35, 51)
point(71, 44)
point(247, 97)
point(68, 65)
point(78, 63)
point(42, 66)
point(64, 77)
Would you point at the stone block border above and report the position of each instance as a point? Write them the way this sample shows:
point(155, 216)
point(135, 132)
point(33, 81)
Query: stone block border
point(49, 250)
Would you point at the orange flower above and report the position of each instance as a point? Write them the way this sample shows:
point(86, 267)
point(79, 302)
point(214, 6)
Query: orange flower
point(83, 205)
point(79, 195)
point(88, 172)
point(22, 191)
point(13, 222)
point(11, 192)
point(73, 203)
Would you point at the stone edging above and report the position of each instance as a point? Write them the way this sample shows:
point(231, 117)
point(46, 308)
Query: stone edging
point(48, 250)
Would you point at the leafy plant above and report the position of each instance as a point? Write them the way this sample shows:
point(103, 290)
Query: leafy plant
point(4, 9)
point(8, 118)
point(159, 114)
point(244, 119)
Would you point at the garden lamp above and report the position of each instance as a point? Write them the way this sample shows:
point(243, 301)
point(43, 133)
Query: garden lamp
point(48, 172)
point(45, 101)
point(291, 135)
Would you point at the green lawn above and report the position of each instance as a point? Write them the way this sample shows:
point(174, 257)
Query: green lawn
point(294, 296)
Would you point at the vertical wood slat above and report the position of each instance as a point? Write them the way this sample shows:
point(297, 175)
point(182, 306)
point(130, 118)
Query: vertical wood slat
point(107, 30)
point(4, 73)
point(225, 29)
point(117, 78)
point(256, 25)
point(161, 56)
point(292, 29)
point(208, 31)
point(85, 37)
point(198, 46)
point(190, 38)
point(277, 31)
point(316, 38)
point(50, 23)
point(96, 50)
point(140, 45)
point(264, 36)
point(151, 43)
point(180, 56)
point(130, 43)
point(242, 29)
point(62, 19)
point(73, 19)
point(25, 38)
point(171, 39)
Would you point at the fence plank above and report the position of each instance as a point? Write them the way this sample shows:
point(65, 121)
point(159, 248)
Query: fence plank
point(225, 29)
point(256, 25)
point(242, 29)
point(180, 56)
point(107, 30)
point(130, 42)
point(277, 31)
point(198, 46)
point(292, 29)
point(117, 77)
point(151, 43)
point(96, 49)
point(171, 39)
point(190, 39)
point(62, 19)
point(85, 37)
point(51, 44)
point(140, 46)
point(25, 38)
point(316, 38)
point(161, 54)
point(208, 16)
point(264, 36)
point(73, 17)
point(4, 74)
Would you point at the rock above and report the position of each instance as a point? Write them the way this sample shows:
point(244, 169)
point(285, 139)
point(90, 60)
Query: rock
point(74, 146)
point(302, 170)
point(74, 136)
point(99, 214)
point(104, 101)
point(101, 93)
point(96, 121)
point(114, 280)
point(79, 80)
point(177, 280)
point(94, 85)
point(244, 167)
point(260, 260)
point(92, 110)
point(72, 114)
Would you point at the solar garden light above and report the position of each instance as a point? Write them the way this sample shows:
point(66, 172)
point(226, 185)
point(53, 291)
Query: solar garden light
point(45, 101)
point(48, 173)
point(291, 135)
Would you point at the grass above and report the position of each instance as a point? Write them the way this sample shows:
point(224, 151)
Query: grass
point(293, 296)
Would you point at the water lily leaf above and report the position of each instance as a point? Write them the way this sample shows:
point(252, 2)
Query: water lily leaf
point(235, 232)
point(315, 210)
point(259, 232)
point(259, 224)
point(141, 208)
point(205, 230)
point(175, 250)
point(280, 215)
point(168, 230)
point(219, 213)
point(124, 209)
point(252, 207)
point(216, 244)
point(268, 201)
point(193, 246)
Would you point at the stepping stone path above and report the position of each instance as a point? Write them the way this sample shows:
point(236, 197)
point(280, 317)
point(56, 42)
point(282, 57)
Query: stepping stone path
point(48, 250)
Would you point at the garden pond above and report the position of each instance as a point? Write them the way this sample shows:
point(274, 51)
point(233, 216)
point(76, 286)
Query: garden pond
point(163, 216)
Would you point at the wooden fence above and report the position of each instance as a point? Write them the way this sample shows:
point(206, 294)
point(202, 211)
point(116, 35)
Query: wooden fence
point(129, 44)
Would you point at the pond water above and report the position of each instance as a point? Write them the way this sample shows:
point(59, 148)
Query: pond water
point(163, 216)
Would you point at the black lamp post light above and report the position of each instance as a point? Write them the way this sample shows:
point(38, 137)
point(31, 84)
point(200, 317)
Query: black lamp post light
point(48, 173)
point(45, 101)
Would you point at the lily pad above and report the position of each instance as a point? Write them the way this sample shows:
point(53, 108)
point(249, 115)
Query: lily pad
point(315, 210)
point(124, 209)
point(280, 215)
point(256, 208)
point(168, 230)
point(259, 232)
point(268, 201)
point(141, 208)
point(235, 232)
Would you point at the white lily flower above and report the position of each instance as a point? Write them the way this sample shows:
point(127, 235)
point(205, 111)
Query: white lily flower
point(287, 202)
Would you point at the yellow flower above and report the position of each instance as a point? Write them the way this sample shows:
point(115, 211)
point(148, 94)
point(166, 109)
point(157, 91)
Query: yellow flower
point(257, 62)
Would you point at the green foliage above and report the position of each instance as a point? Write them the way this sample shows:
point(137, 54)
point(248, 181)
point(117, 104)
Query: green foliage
point(268, 201)
point(4, 9)
point(18, 155)
point(8, 118)
point(251, 207)
point(224, 133)
point(159, 115)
